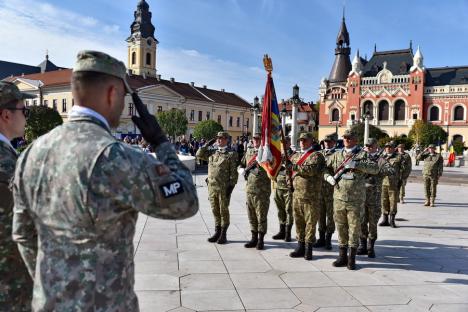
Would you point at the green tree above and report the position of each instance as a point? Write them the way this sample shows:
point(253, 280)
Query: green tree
point(174, 122)
point(426, 133)
point(458, 147)
point(374, 132)
point(206, 129)
point(401, 139)
point(41, 120)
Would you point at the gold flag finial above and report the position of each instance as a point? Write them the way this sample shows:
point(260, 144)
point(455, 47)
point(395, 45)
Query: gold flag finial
point(267, 63)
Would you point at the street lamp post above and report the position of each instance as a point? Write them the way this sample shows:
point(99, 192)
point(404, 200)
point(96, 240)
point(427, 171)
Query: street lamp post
point(284, 113)
point(255, 109)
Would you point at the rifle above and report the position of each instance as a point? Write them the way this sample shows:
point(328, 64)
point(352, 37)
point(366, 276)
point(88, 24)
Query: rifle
point(288, 164)
point(342, 168)
point(249, 168)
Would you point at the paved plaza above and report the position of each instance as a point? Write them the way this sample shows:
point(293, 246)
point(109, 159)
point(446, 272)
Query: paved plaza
point(421, 266)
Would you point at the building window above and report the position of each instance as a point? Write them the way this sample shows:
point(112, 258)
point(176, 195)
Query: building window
point(148, 58)
point(208, 116)
point(159, 109)
point(399, 113)
point(54, 104)
point(230, 121)
point(219, 119)
point(415, 116)
point(200, 115)
point(34, 102)
point(64, 105)
point(434, 113)
point(458, 113)
point(133, 58)
point(73, 102)
point(368, 107)
point(335, 115)
point(238, 122)
point(130, 109)
point(192, 115)
point(383, 110)
point(353, 117)
point(46, 103)
point(247, 123)
point(457, 138)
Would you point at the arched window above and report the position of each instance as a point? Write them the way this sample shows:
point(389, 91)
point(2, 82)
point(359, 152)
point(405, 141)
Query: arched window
point(335, 115)
point(434, 113)
point(148, 58)
point(368, 107)
point(457, 138)
point(383, 110)
point(399, 113)
point(459, 113)
point(133, 58)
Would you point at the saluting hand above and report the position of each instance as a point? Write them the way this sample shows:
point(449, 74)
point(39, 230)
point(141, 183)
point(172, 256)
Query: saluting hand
point(147, 123)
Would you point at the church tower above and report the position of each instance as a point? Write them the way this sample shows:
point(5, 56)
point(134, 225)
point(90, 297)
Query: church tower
point(342, 65)
point(142, 44)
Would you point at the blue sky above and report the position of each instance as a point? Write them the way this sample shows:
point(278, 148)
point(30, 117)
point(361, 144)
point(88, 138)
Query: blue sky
point(221, 43)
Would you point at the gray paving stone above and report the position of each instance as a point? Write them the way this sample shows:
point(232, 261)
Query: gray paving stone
point(325, 297)
point(343, 309)
point(194, 266)
point(268, 298)
point(158, 301)
point(307, 279)
point(257, 280)
point(156, 267)
point(206, 282)
point(354, 278)
point(199, 254)
point(375, 295)
point(156, 282)
point(450, 308)
point(247, 266)
point(201, 300)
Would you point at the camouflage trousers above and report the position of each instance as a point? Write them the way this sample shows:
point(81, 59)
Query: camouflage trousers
point(389, 200)
point(371, 214)
point(306, 213)
point(219, 201)
point(257, 209)
point(347, 217)
point(326, 222)
point(283, 200)
point(402, 189)
point(430, 186)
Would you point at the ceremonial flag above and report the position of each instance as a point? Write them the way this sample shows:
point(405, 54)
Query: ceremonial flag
point(451, 157)
point(269, 152)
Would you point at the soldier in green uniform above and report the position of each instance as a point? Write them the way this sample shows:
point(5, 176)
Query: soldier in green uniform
point(373, 204)
point(432, 171)
point(258, 194)
point(347, 171)
point(390, 185)
point(283, 197)
point(407, 165)
point(326, 223)
point(307, 165)
point(222, 177)
point(15, 283)
point(78, 191)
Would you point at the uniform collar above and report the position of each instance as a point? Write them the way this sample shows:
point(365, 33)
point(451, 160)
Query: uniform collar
point(306, 150)
point(79, 111)
point(6, 141)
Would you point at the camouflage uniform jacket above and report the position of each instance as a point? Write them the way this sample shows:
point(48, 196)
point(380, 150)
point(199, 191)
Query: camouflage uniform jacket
point(258, 181)
point(385, 169)
point(80, 190)
point(308, 175)
point(407, 165)
point(327, 188)
point(14, 276)
point(351, 187)
point(281, 182)
point(433, 164)
point(222, 167)
point(398, 165)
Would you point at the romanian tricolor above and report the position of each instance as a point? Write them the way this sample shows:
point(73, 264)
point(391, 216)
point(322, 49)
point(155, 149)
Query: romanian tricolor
point(269, 153)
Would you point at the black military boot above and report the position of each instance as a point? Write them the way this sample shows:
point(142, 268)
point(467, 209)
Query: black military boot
point(282, 232)
point(299, 251)
point(370, 250)
point(392, 221)
point(426, 203)
point(362, 249)
point(352, 259)
point(287, 237)
point(260, 243)
point(308, 251)
point(216, 235)
point(342, 259)
point(432, 202)
point(321, 241)
point(384, 221)
point(328, 244)
point(222, 237)
point(253, 241)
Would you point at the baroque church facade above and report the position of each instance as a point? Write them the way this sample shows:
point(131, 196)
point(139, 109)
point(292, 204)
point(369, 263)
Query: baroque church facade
point(394, 88)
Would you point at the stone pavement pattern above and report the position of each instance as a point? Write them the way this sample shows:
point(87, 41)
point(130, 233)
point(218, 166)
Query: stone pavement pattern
point(421, 266)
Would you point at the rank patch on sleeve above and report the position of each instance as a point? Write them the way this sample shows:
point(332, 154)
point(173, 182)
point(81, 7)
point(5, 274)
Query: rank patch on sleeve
point(171, 189)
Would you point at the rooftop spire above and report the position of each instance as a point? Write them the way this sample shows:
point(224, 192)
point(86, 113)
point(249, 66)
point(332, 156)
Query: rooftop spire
point(142, 24)
point(342, 65)
point(343, 35)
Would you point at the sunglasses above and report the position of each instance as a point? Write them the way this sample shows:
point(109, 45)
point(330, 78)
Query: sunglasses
point(25, 111)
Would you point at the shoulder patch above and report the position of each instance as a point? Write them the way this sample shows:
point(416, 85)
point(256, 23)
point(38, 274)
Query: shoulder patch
point(171, 189)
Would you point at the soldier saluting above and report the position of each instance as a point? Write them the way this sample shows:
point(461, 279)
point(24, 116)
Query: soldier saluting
point(222, 177)
point(78, 191)
point(432, 171)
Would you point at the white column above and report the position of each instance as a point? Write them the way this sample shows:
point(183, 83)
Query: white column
point(294, 126)
point(366, 129)
point(255, 121)
point(283, 122)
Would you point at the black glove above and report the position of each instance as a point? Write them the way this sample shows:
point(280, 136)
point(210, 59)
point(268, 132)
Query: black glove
point(147, 123)
point(230, 189)
point(211, 142)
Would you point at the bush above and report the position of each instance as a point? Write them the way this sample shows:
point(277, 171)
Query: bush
point(41, 120)
point(374, 132)
point(425, 133)
point(458, 147)
point(206, 129)
point(398, 140)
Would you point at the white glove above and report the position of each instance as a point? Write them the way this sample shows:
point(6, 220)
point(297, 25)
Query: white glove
point(240, 170)
point(331, 180)
point(350, 165)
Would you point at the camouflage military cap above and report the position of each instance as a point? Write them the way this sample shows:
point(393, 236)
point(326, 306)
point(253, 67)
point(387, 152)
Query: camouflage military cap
point(349, 134)
point(306, 135)
point(401, 145)
point(330, 137)
point(371, 142)
point(99, 62)
point(9, 93)
point(222, 134)
point(431, 146)
point(256, 136)
point(390, 144)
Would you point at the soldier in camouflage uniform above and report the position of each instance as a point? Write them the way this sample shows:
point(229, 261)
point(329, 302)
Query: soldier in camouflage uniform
point(15, 283)
point(78, 191)
point(326, 223)
point(407, 165)
point(373, 205)
point(347, 171)
point(390, 185)
point(222, 177)
point(432, 171)
point(307, 165)
point(258, 194)
point(283, 197)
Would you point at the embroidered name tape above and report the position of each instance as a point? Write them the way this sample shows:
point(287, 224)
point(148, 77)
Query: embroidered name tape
point(171, 189)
